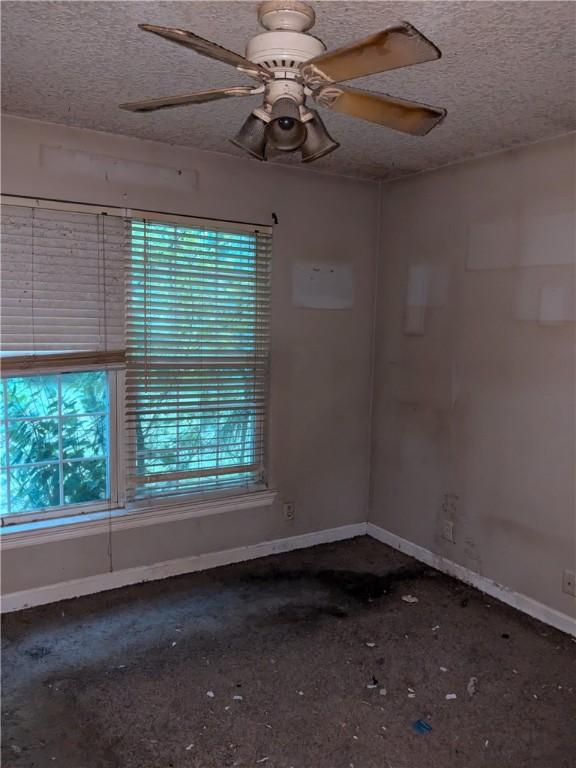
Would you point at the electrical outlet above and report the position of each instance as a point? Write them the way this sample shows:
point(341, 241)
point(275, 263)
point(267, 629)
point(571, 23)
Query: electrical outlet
point(289, 510)
point(569, 583)
point(448, 531)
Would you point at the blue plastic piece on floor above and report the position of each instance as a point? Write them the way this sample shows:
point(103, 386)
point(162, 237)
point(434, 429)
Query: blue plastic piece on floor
point(421, 726)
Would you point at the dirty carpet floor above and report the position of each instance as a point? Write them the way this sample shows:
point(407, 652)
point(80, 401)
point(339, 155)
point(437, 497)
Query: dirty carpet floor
point(310, 659)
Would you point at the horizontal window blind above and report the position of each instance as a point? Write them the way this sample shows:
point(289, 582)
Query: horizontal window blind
point(197, 329)
point(62, 294)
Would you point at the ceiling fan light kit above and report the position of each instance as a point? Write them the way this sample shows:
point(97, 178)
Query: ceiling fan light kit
point(285, 131)
point(252, 137)
point(292, 66)
point(318, 141)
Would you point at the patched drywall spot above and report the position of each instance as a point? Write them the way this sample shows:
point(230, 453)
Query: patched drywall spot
point(547, 239)
point(322, 286)
point(61, 161)
point(553, 305)
point(427, 287)
point(414, 321)
point(547, 298)
point(527, 239)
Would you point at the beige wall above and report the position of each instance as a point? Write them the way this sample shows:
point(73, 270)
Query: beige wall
point(475, 366)
point(319, 455)
point(474, 381)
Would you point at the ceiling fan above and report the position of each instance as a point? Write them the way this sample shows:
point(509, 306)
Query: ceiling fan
point(291, 66)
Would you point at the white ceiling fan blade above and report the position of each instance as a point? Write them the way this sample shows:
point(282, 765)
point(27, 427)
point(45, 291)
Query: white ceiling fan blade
point(398, 46)
point(209, 49)
point(398, 114)
point(200, 97)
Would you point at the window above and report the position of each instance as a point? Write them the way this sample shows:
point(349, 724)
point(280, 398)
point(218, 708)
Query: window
point(134, 357)
point(61, 331)
point(197, 358)
point(55, 441)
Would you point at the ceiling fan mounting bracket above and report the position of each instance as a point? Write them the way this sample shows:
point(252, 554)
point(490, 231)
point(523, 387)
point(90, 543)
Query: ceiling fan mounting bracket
point(290, 15)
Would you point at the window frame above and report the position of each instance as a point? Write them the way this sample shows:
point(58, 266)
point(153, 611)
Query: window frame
point(118, 429)
point(116, 497)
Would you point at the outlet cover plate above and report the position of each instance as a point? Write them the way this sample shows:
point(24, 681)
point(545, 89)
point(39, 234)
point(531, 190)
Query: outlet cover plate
point(569, 583)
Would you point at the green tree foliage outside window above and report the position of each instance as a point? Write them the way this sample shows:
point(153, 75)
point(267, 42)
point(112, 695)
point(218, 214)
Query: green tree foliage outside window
point(54, 442)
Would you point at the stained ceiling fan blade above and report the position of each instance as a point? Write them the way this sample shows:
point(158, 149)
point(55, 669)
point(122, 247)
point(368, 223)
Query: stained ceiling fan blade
point(398, 114)
point(398, 46)
point(209, 49)
point(200, 97)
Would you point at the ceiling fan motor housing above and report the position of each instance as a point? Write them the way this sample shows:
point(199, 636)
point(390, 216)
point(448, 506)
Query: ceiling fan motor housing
point(285, 45)
point(282, 51)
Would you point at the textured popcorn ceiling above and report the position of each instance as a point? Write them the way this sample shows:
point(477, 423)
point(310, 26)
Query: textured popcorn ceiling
point(507, 75)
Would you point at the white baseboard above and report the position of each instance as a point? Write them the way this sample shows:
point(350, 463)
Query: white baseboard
point(52, 593)
point(533, 608)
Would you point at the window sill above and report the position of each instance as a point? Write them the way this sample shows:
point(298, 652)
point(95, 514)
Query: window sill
point(71, 527)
